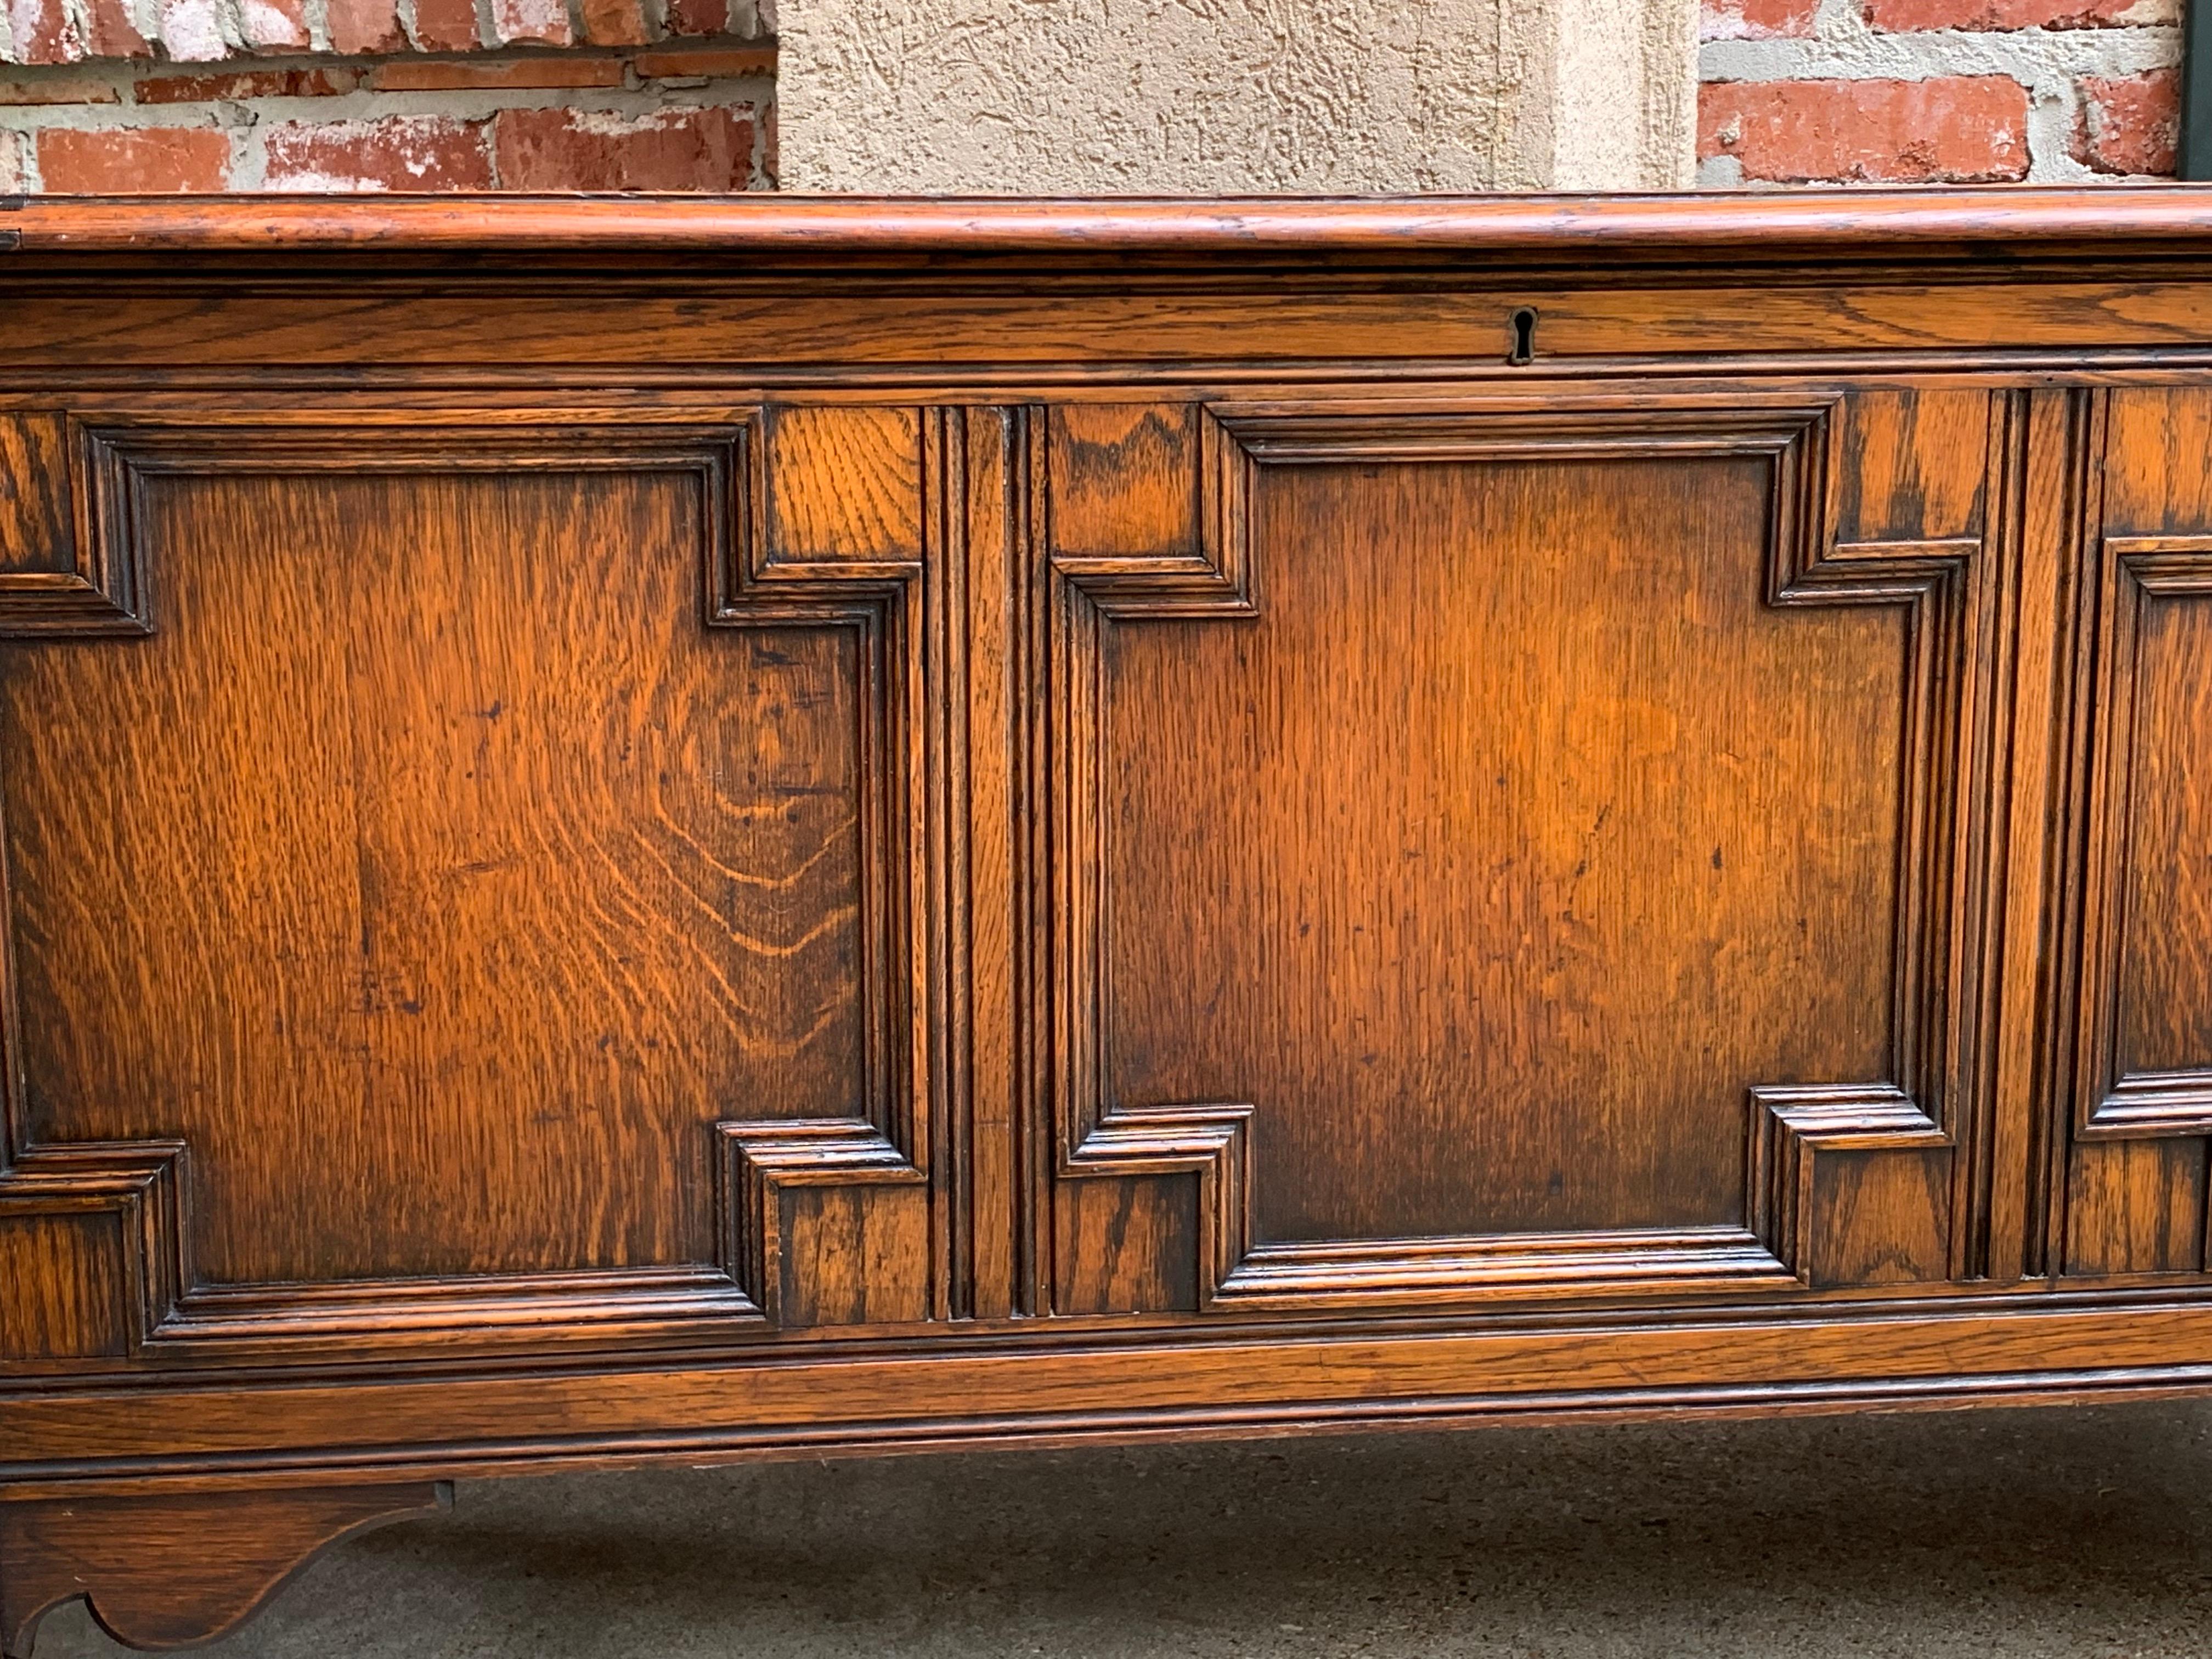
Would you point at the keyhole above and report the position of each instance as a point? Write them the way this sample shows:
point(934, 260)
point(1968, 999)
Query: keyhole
point(1524, 337)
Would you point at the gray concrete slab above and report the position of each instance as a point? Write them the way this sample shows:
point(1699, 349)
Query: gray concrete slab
point(2085, 1534)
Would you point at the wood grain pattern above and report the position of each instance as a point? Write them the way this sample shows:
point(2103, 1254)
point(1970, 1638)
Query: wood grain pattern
point(38, 526)
point(2165, 990)
point(645, 831)
point(1911, 465)
point(1020, 336)
point(1413, 1084)
point(809, 1251)
point(2148, 1001)
point(842, 488)
point(1125, 479)
point(2147, 996)
point(978, 820)
point(2037, 529)
point(2140, 1057)
point(2136, 1207)
point(458, 887)
point(66, 1297)
point(833, 1220)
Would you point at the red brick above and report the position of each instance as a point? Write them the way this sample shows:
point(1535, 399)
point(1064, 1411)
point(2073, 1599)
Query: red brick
point(705, 62)
point(446, 25)
point(1948, 130)
point(243, 84)
point(42, 32)
point(526, 72)
point(615, 23)
point(70, 89)
point(698, 17)
point(131, 161)
point(1755, 19)
point(1902, 16)
point(275, 25)
point(771, 159)
point(191, 31)
point(404, 153)
point(2131, 124)
point(545, 22)
point(112, 32)
point(676, 149)
point(358, 25)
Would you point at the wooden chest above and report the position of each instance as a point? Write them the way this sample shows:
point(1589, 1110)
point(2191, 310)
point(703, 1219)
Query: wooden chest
point(696, 829)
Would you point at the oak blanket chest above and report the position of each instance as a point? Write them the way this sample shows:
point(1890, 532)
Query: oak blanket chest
point(692, 829)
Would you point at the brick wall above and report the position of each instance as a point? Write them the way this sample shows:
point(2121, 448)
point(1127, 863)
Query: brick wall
point(104, 95)
point(1937, 91)
point(135, 95)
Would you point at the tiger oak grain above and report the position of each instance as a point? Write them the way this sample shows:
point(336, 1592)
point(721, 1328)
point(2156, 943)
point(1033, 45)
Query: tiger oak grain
point(670, 831)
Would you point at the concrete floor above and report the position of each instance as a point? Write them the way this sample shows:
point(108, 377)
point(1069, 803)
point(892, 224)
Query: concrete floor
point(2021, 1534)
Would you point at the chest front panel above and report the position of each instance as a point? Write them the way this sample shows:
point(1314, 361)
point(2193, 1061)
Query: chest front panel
point(497, 874)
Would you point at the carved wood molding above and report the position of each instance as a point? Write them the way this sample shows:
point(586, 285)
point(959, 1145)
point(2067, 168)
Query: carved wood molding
point(2133, 574)
point(765, 1164)
point(70, 565)
point(1523, 1266)
point(1213, 1142)
point(1198, 566)
point(79, 1220)
point(847, 505)
point(1793, 1130)
point(786, 544)
point(216, 1323)
point(1909, 1113)
point(1196, 562)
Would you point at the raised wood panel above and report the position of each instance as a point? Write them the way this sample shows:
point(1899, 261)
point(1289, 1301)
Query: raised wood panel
point(2165, 984)
point(2147, 927)
point(1879, 1215)
point(832, 1222)
point(461, 890)
point(460, 880)
point(1393, 819)
point(1486, 987)
point(2141, 1025)
point(2146, 990)
point(1851, 1185)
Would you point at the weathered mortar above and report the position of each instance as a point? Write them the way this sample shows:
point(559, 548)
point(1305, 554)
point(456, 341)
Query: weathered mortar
point(1851, 89)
